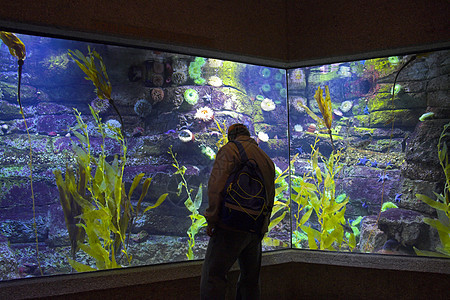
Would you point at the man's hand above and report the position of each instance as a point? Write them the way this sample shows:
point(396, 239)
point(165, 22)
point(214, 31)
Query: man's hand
point(210, 230)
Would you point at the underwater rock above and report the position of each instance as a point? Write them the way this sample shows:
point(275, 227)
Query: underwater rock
point(408, 228)
point(58, 123)
point(371, 237)
point(8, 263)
point(409, 188)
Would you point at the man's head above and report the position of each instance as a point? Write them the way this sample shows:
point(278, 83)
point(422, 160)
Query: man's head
point(237, 129)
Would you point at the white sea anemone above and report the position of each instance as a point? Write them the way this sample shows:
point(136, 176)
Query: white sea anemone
point(262, 136)
point(298, 128)
point(346, 106)
point(267, 105)
point(185, 135)
point(204, 113)
point(215, 81)
point(215, 63)
point(112, 127)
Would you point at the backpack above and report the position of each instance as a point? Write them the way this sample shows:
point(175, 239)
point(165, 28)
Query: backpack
point(244, 205)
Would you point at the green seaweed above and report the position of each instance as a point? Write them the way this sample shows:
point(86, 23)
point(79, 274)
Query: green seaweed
point(388, 205)
point(316, 193)
point(192, 204)
point(95, 204)
point(441, 204)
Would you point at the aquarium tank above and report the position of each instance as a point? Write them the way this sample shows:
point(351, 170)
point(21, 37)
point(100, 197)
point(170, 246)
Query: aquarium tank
point(106, 152)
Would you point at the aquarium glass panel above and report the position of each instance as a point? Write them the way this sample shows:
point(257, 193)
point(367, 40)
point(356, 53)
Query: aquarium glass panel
point(368, 145)
point(105, 160)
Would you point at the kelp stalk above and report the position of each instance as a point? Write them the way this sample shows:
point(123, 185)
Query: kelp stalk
point(17, 49)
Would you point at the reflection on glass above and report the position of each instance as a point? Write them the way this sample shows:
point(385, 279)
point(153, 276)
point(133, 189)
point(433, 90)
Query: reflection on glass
point(384, 189)
point(122, 144)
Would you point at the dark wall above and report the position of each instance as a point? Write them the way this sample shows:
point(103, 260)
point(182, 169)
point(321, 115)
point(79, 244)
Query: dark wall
point(284, 31)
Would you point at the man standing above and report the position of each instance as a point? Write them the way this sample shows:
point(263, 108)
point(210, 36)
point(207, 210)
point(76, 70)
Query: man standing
point(229, 244)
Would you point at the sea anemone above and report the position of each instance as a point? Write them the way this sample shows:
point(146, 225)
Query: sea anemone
point(265, 88)
point(158, 67)
point(100, 105)
point(185, 135)
point(204, 113)
point(296, 77)
point(158, 80)
point(157, 95)
point(142, 108)
point(346, 106)
point(297, 103)
point(215, 63)
point(179, 65)
point(311, 128)
point(267, 105)
point(191, 96)
point(112, 126)
point(262, 136)
point(265, 72)
point(179, 77)
point(298, 128)
point(215, 81)
point(178, 97)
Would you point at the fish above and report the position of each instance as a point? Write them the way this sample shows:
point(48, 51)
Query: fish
point(426, 116)
point(363, 161)
point(170, 131)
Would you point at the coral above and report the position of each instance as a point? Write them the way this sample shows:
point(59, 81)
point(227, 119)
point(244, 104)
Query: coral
point(191, 96)
point(179, 77)
point(346, 106)
point(215, 81)
point(100, 105)
point(267, 105)
point(142, 108)
point(185, 135)
point(204, 113)
point(262, 136)
point(157, 95)
point(158, 80)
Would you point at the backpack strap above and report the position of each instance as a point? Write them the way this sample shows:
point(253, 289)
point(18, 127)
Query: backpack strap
point(242, 153)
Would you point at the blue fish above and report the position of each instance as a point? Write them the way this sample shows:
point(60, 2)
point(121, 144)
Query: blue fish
point(364, 204)
point(374, 164)
point(366, 110)
point(398, 198)
point(383, 178)
point(388, 165)
point(299, 149)
point(363, 161)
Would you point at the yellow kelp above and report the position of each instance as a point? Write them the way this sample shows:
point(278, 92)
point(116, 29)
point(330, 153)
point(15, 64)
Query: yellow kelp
point(325, 108)
point(15, 45)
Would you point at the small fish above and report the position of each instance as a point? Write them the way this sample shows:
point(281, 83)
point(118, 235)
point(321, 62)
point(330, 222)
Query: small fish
point(374, 164)
point(398, 198)
point(300, 150)
point(170, 131)
point(364, 204)
point(426, 116)
point(383, 178)
point(366, 110)
point(363, 161)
